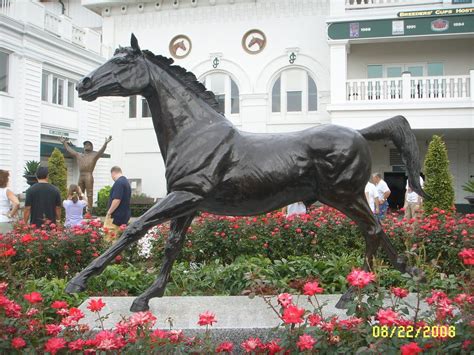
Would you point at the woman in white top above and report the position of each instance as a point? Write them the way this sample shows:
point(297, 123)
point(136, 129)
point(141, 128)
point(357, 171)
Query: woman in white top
point(9, 203)
point(74, 206)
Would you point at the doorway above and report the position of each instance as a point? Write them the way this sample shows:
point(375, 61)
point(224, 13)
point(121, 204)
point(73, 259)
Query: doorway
point(396, 182)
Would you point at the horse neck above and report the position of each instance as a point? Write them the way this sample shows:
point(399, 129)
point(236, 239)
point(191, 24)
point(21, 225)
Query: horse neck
point(175, 109)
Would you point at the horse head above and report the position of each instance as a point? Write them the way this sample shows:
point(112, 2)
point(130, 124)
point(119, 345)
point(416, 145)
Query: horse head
point(125, 74)
point(255, 40)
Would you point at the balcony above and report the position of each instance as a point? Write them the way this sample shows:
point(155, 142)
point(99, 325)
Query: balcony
point(34, 13)
point(410, 88)
point(369, 4)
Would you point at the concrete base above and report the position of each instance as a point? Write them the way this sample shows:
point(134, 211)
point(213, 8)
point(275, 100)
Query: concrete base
point(238, 317)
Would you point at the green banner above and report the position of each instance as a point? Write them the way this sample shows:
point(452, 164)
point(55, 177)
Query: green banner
point(400, 27)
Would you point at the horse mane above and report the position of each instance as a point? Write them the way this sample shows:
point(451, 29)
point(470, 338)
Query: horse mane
point(187, 78)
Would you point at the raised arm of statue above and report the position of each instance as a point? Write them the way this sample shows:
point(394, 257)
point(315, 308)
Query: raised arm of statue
point(68, 147)
point(102, 149)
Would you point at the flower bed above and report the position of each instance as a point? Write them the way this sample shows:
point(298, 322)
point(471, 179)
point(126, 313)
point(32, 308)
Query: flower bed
point(446, 328)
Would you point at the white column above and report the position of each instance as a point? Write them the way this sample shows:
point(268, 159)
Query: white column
point(337, 7)
point(471, 88)
point(65, 28)
point(254, 109)
point(406, 85)
point(338, 58)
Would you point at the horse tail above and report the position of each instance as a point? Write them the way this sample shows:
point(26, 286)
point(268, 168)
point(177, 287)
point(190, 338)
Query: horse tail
point(399, 131)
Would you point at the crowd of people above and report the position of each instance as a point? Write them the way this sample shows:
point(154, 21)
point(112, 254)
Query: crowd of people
point(43, 202)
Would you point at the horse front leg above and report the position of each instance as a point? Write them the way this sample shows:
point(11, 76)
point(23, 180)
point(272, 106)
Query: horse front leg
point(175, 204)
point(174, 244)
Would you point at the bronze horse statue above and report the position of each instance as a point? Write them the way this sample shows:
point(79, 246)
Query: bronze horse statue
point(213, 167)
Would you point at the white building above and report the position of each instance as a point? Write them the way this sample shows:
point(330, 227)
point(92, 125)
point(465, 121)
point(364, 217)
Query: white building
point(286, 65)
point(43, 52)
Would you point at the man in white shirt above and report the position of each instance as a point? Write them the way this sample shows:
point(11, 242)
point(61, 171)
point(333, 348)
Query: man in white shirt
point(413, 201)
point(383, 192)
point(371, 196)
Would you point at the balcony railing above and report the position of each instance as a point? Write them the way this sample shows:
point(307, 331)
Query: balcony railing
point(78, 35)
point(35, 13)
point(410, 88)
point(52, 23)
point(362, 4)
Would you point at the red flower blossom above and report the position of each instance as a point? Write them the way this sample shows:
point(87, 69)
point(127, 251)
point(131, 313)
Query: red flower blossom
point(387, 317)
point(59, 304)
point(410, 349)
point(285, 299)
point(225, 347)
point(273, 347)
point(312, 288)
point(293, 315)
point(18, 343)
point(142, 319)
point(76, 345)
point(314, 319)
point(467, 256)
point(207, 318)
point(53, 345)
point(399, 292)
point(108, 340)
point(96, 305)
point(305, 342)
point(53, 329)
point(252, 345)
point(360, 278)
point(33, 297)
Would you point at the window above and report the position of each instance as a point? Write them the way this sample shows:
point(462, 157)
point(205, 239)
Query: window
point(435, 69)
point(294, 91)
point(4, 71)
point(57, 90)
point(138, 107)
point(396, 70)
point(226, 91)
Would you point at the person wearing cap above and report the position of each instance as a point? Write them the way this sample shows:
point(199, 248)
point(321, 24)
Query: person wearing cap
point(43, 201)
point(86, 162)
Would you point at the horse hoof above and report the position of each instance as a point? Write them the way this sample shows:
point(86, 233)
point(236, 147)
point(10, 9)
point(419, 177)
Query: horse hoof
point(75, 287)
point(139, 306)
point(342, 303)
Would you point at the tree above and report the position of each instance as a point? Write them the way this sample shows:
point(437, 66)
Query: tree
point(439, 181)
point(58, 172)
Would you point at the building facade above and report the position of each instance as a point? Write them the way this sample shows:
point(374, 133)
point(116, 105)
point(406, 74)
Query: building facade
point(43, 53)
point(281, 66)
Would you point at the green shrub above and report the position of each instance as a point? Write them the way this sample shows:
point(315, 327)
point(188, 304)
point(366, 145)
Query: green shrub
point(439, 181)
point(58, 172)
point(102, 201)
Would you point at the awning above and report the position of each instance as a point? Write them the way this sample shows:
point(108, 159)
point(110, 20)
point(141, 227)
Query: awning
point(46, 149)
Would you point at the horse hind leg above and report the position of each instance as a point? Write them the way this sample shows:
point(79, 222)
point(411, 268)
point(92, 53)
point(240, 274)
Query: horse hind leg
point(174, 244)
point(359, 211)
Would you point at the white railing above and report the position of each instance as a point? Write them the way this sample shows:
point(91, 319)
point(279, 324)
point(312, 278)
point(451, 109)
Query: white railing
point(440, 87)
point(78, 35)
point(361, 4)
point(6, 7)
point(409, 88)
point(52, 22)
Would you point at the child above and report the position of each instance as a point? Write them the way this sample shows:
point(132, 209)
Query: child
point(74, 206)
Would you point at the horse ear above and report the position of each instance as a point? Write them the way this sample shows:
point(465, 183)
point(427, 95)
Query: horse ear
point(134, 44)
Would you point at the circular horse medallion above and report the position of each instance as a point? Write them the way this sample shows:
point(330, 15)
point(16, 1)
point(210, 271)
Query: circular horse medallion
point(180, 46)
point(254, 41)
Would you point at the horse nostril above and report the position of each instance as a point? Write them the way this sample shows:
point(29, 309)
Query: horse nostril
point(86, 83)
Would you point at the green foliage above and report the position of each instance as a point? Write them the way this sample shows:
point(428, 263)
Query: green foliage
point(102, 201)
point(469, 186)
point(30, 167)
point(439, 181)
point(58, 172)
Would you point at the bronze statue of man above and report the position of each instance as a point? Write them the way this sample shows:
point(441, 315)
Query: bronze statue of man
point(86, 161)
